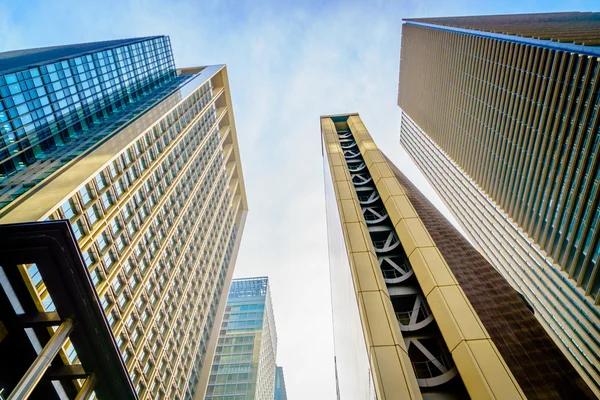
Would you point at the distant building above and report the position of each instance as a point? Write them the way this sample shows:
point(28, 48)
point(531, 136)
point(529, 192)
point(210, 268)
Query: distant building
point(280, 392)
point(140, 161)
point(244, 363)
point(500, 113)
point(417, 311)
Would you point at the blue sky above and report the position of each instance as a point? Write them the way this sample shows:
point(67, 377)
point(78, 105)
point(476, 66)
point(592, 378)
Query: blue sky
point(288, 62)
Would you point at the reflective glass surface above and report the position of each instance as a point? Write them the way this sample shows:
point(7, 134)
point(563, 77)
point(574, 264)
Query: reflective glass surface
point(244, 363)
point(52, 113)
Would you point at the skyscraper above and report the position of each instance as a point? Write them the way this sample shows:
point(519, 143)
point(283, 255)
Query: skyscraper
point(417, 311)
point(500, 113)
point(280, 392)
point(244, 364)
point(142, 160)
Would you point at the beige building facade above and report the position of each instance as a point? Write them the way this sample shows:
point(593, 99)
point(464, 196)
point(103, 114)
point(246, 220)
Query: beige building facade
point(157, 208)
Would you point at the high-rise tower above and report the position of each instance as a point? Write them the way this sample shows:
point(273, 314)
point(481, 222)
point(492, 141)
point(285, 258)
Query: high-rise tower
point(417, 311)
point(142, 160)
point(280, 391)
point(500, 113)
point(244, 364)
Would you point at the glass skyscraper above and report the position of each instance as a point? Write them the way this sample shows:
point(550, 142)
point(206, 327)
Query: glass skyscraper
point(500, 113)
point(244, 363)
point(58, 102)
point(280, 391)
point(417, 311)
point(142, 160)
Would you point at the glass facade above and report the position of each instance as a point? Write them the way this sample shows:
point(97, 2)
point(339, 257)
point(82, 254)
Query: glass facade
point(244, 363)
point(280, 392)
point(156, 202)
point(53, 112)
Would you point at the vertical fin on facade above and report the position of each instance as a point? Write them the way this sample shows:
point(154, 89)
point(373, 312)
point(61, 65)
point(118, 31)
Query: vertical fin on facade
point(534, 359)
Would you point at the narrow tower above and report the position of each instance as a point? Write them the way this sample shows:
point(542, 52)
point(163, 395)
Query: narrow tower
point(244, 363)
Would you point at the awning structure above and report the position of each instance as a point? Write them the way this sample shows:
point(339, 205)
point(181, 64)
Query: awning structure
point(29, 364)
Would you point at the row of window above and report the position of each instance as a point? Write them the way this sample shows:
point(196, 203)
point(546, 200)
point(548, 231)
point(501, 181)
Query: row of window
point(61, 97)
point(62, 153)
point(542, 274)
point(244, 315)
point(229, 388)
point(184, 201)
point(177, 343)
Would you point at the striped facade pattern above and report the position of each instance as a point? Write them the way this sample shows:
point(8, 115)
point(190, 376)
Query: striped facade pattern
point(522, 122)
point(531, 355)
point(561, 309)
point(565, 27)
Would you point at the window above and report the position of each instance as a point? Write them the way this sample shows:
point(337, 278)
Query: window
point(48, 304)
point(119, 188)
point(96, 277)
point(105, 302)
point(120, 244)
point(135, 337)
point(102, 242)
point(122, 300)
point(116, 285)
point(34, 274)
point(133, 282)
point(100, 182)
point(67, 209)
point(92, 214)
point(108, 260)
point(88, 257)
point(86, 196)
point(107, 200)
point(77, 229)
point(120, 341)
point(71, 353)
point(113, 170)
point(115, 226)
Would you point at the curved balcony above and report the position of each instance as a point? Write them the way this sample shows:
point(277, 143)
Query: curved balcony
point(432, 364)
point(384, 238)
point(374, 215)
point(367, 195)
point(395, 269)
point(412, 312)
point(356, 165)
point(345, 135)
point(351, 153)
point(360, 179)
point(348, 144)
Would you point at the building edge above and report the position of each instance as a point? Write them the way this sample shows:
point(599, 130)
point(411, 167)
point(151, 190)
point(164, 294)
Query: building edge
point(214, 334)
